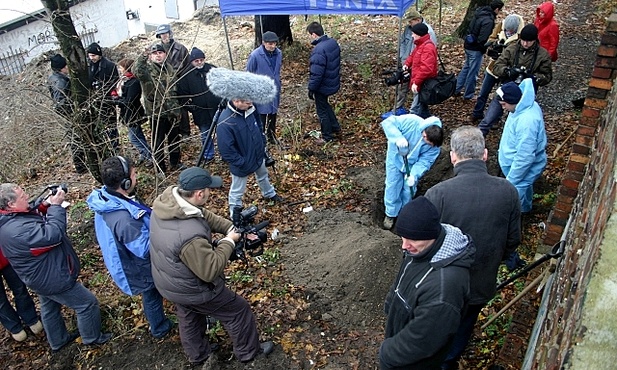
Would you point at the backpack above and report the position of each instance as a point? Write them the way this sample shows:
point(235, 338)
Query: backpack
point(436, 90)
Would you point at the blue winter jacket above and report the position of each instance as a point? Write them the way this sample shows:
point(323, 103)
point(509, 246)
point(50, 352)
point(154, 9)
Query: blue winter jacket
point(262, 62)
point(523, 143)
point(421, 154)
point(39, 250)
point(241, 140)
point(123, 232)
point(325, 66)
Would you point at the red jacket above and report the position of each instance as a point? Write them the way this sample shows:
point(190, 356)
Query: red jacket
point(548, 29)
point(422, 61)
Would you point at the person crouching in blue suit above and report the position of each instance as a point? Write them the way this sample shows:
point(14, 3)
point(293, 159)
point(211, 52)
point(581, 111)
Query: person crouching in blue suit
point(522, 149)
point(413, 147)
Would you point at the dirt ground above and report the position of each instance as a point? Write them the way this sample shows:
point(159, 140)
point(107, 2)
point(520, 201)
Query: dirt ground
point(344, 260)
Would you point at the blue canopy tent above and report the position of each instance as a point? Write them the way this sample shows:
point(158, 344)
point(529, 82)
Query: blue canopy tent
point(277, 7)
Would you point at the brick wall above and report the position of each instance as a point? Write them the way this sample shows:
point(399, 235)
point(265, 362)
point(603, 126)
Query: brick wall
point(588, 192)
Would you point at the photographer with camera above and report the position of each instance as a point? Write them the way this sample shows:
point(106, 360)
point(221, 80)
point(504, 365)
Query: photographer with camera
point(35, 242)
point(522, 59)
point(503, 35)
point(188, 269)
point(399, 78)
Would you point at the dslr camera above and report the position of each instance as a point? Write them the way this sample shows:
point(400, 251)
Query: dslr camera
point(396, 77)
point(517, 74)
point(495, 49)
point(51, 190)
point(243, 220)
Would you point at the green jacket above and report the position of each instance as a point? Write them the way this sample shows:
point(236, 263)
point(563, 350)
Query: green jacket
point(158, 84)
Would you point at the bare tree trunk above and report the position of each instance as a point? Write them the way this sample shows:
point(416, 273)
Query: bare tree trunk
point(462, 29)
point(84, 122)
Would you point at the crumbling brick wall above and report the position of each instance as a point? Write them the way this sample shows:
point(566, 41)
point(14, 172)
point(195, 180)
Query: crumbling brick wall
point(587, 192)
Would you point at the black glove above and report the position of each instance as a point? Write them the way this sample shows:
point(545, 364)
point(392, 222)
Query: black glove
point(311, 95)
point(510, 73)
point(514, 261)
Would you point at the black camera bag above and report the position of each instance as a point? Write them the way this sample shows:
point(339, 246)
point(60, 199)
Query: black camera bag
point(436, 90)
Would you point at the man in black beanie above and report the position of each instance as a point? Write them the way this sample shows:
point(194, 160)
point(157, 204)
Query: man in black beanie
point(430, 292)
point(103, 80)
point(522, 59)
point(195, 96)
point(59, 85)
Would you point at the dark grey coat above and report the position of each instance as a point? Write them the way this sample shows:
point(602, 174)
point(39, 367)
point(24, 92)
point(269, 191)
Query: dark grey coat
point(488, 209)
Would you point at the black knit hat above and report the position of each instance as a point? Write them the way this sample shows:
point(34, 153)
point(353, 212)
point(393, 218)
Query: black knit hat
point(57, 62)
point(496, 4)
point(529, 33)
point(420, 29)
point(157, 47)
point(94, 48)
point(418, 220)
point(197, 53)
point(197, 178)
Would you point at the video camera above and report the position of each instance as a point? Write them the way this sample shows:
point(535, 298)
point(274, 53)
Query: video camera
point(52, 189)
point(396, 77)
point(243, 222)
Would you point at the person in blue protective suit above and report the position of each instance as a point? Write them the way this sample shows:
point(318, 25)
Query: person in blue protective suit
point(413, 147)
point(522, 149)
point(122, 225)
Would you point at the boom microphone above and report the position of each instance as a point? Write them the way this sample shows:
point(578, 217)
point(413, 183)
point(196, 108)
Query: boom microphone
point(241, 85)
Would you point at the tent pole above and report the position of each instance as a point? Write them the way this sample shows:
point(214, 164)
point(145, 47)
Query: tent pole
point(398, 60)
point(231, 58)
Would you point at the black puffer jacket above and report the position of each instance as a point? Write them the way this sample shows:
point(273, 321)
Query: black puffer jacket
point(425, 303)
point(481, 28)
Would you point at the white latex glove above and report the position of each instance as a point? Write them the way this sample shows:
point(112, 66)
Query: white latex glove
point(402, 144)
point(410, 180)
point(405, 68)
point(414, 88)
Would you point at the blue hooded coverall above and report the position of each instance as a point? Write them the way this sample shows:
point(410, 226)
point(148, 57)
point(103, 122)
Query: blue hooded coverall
point(421, 157)
point(522, 149)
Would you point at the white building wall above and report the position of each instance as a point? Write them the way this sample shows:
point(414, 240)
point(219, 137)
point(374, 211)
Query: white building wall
point(151, 13)
point(106, 17)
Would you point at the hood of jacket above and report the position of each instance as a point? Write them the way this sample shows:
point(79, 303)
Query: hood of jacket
point(170, 205)
point(456, 249)
point(549, 12)
point(101, 201)
point(528, 98)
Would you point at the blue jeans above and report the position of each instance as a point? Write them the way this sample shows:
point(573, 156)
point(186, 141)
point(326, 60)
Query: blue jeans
point(205, 132)
point(327, 118)
point(11, 319)
point(492, 116)
point(462, 336)
point(138, 139)
point(487, 86)
point(86, 308)
point(418, 108)
point(467, 78)
point(152, 301)
point(238, 186)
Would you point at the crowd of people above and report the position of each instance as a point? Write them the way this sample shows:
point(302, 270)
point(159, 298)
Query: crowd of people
point(450, 262)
